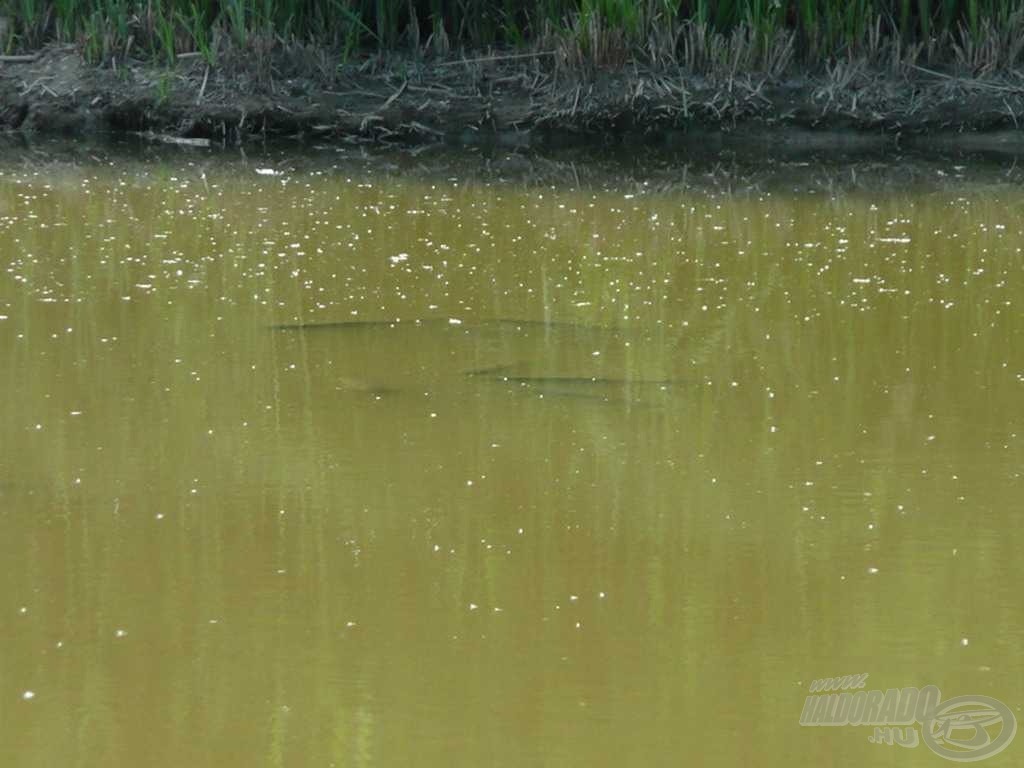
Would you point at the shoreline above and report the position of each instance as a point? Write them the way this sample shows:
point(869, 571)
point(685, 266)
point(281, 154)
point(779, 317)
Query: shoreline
point(511, 101)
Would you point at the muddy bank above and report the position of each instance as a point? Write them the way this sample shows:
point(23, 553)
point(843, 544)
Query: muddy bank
point(514, 101)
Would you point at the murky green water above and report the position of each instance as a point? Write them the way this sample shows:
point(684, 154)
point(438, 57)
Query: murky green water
point(659, 455)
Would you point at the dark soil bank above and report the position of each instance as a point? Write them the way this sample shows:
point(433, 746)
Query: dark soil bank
point(514, 100)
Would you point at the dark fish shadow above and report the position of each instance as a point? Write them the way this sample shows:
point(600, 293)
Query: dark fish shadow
point(364, 325)
point(619, 392)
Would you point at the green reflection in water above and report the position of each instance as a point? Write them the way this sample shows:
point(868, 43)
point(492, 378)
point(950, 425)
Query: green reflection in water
point(723, 443)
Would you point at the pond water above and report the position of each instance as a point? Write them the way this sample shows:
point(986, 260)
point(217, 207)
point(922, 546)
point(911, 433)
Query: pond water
point(339, 459)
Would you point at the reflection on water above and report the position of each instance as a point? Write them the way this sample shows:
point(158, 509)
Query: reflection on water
point(350, 467)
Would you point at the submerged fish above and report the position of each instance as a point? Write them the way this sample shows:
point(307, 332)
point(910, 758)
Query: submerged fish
point(561, 325)
point(346, 384)
point(591, 396)
point(626, 393)
point(491, 370)
point(500, 322)
point(342, 325)
point(592, 381)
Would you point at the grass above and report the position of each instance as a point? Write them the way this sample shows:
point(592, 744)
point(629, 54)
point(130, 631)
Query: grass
point(724, 35)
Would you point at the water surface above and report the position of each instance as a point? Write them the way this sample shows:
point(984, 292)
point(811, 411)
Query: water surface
point(553, 463)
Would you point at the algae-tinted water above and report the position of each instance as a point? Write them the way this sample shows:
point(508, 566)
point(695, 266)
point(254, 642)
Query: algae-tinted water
point(228, 545)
